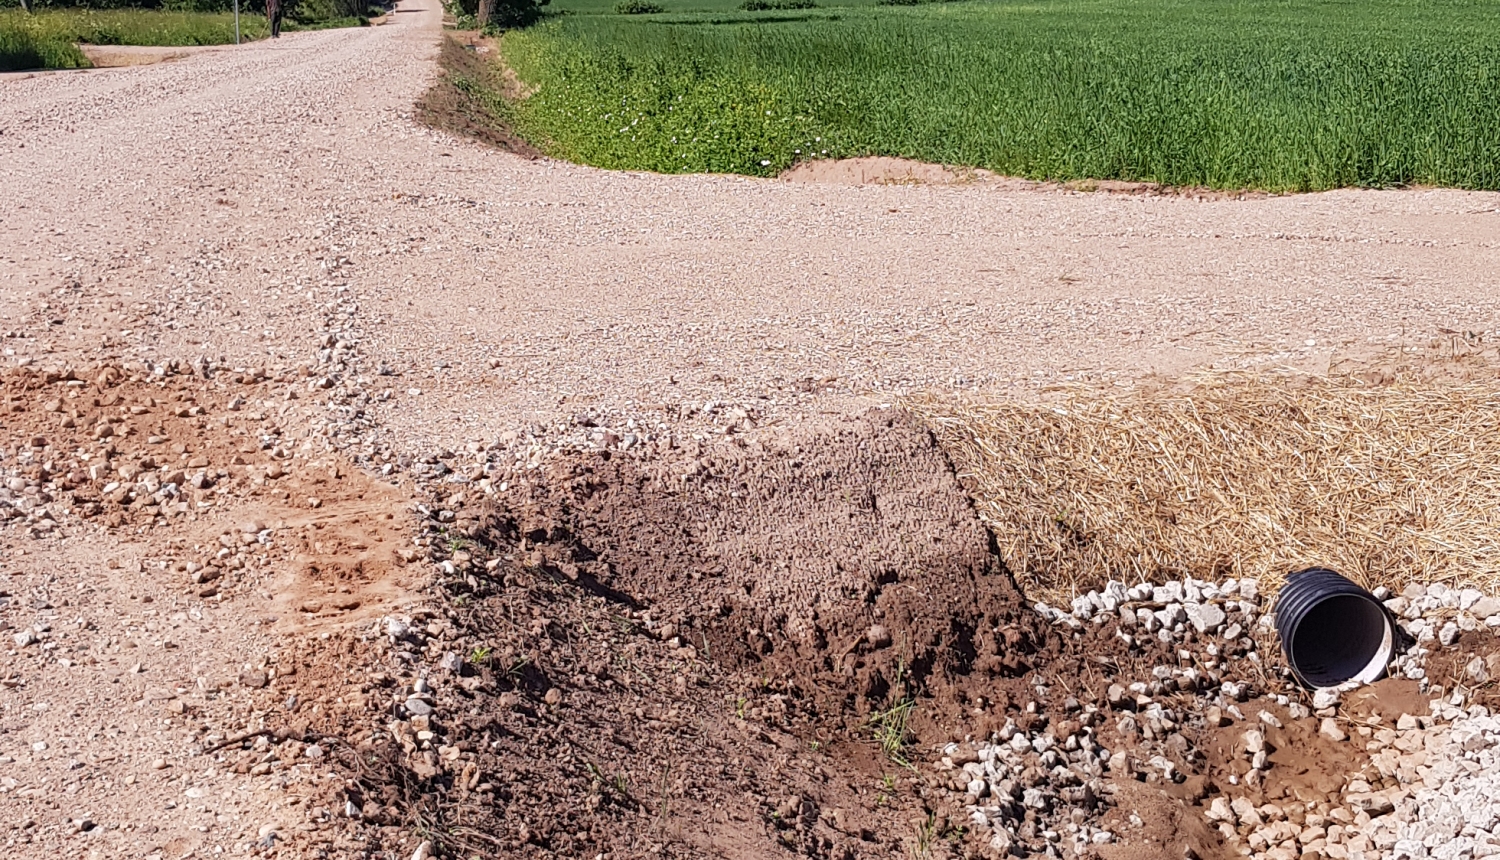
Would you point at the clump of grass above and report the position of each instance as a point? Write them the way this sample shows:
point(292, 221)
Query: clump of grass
point(638, 7)
point(23, 47)
point(777, 5)
point(1255, 94)
point(890, 730)
point(890, 727)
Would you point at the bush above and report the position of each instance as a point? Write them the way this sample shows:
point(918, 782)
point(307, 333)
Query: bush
point(504, 14)
point(777, 5)
point(638, 7)
point(22, 49)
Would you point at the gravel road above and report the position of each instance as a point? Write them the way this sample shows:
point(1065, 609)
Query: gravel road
point(195, 204)
point(276, 205)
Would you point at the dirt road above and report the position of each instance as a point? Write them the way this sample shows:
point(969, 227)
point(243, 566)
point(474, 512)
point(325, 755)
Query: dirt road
point(276, 206)
point(230, 183)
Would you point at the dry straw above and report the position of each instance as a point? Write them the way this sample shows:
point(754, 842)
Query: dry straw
point(1238, 475)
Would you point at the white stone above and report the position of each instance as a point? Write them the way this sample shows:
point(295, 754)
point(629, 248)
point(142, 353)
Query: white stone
point(1449, 634)
point(1205, 617)
point(1331, 729)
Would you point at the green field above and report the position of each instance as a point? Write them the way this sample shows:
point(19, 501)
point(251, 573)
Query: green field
point(1253, 94)
point(46, 38)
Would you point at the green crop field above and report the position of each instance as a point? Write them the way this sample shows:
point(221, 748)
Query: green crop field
point(1249, 94)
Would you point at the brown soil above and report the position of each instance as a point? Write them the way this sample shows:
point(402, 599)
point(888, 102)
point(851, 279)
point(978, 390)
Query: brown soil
point(689, 654)
point(1447, 670)
point(883, 170)
point(117, 56)
point(887, 170)
point(469, 96)
point(682, 652)
point(207, 438)
point(782, 557)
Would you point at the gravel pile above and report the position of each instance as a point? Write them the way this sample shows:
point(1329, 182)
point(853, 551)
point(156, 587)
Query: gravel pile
point(1200, 700)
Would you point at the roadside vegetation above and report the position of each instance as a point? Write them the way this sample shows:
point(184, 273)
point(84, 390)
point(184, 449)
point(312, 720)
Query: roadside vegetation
point(1251, 94)
point(47, 36)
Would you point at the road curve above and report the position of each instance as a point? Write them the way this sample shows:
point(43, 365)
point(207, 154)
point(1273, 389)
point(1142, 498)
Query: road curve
point(211, 206)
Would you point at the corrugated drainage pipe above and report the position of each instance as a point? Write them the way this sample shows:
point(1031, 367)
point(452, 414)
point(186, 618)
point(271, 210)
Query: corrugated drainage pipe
point(1332, 630)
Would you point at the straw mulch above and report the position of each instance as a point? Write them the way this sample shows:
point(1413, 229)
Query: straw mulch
point(1236, 476)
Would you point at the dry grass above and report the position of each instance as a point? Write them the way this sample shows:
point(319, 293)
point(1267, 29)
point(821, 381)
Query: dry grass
point(1237, 475)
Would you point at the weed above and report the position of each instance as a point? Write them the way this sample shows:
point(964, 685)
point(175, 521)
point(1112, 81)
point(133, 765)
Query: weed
point(889, 728)
point(514, 672)
point(886, 790)
point(920, 847)
point(479, 656)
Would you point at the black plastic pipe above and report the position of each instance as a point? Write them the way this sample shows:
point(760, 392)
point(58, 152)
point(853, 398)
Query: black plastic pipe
point(1332, 630)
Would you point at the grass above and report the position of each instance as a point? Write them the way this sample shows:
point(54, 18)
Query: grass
point(47, 39)
point(891, 731)
point(1220, 93)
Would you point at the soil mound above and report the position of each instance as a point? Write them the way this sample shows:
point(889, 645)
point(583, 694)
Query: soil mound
point(882, 170)
point(843, 558)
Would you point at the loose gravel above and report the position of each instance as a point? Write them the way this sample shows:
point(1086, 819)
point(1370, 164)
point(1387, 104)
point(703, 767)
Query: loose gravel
point(1422, 783)
point(269, 231)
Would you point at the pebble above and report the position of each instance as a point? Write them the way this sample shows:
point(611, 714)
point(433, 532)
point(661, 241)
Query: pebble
point(1330, 728)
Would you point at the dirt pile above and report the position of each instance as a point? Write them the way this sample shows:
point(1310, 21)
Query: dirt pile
point(843, 559)
point(752, 647)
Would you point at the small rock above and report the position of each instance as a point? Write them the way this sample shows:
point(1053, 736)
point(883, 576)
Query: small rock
point(1255, 741)
point(1219, 810)
point(553, 697)
point(1331, 729)
point(418, 708)
point(253, 678)
point(1205, 617)
point(1246, 812)
point(878, 636)
point(1476, 671)
point(1449, 634)
point(1116, 695)
point(1375, 805)
point(1485, 607)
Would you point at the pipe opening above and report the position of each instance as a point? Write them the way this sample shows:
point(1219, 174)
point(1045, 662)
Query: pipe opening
point(1341, 638)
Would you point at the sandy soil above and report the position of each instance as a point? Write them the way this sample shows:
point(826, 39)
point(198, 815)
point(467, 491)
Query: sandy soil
point(267, 236)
